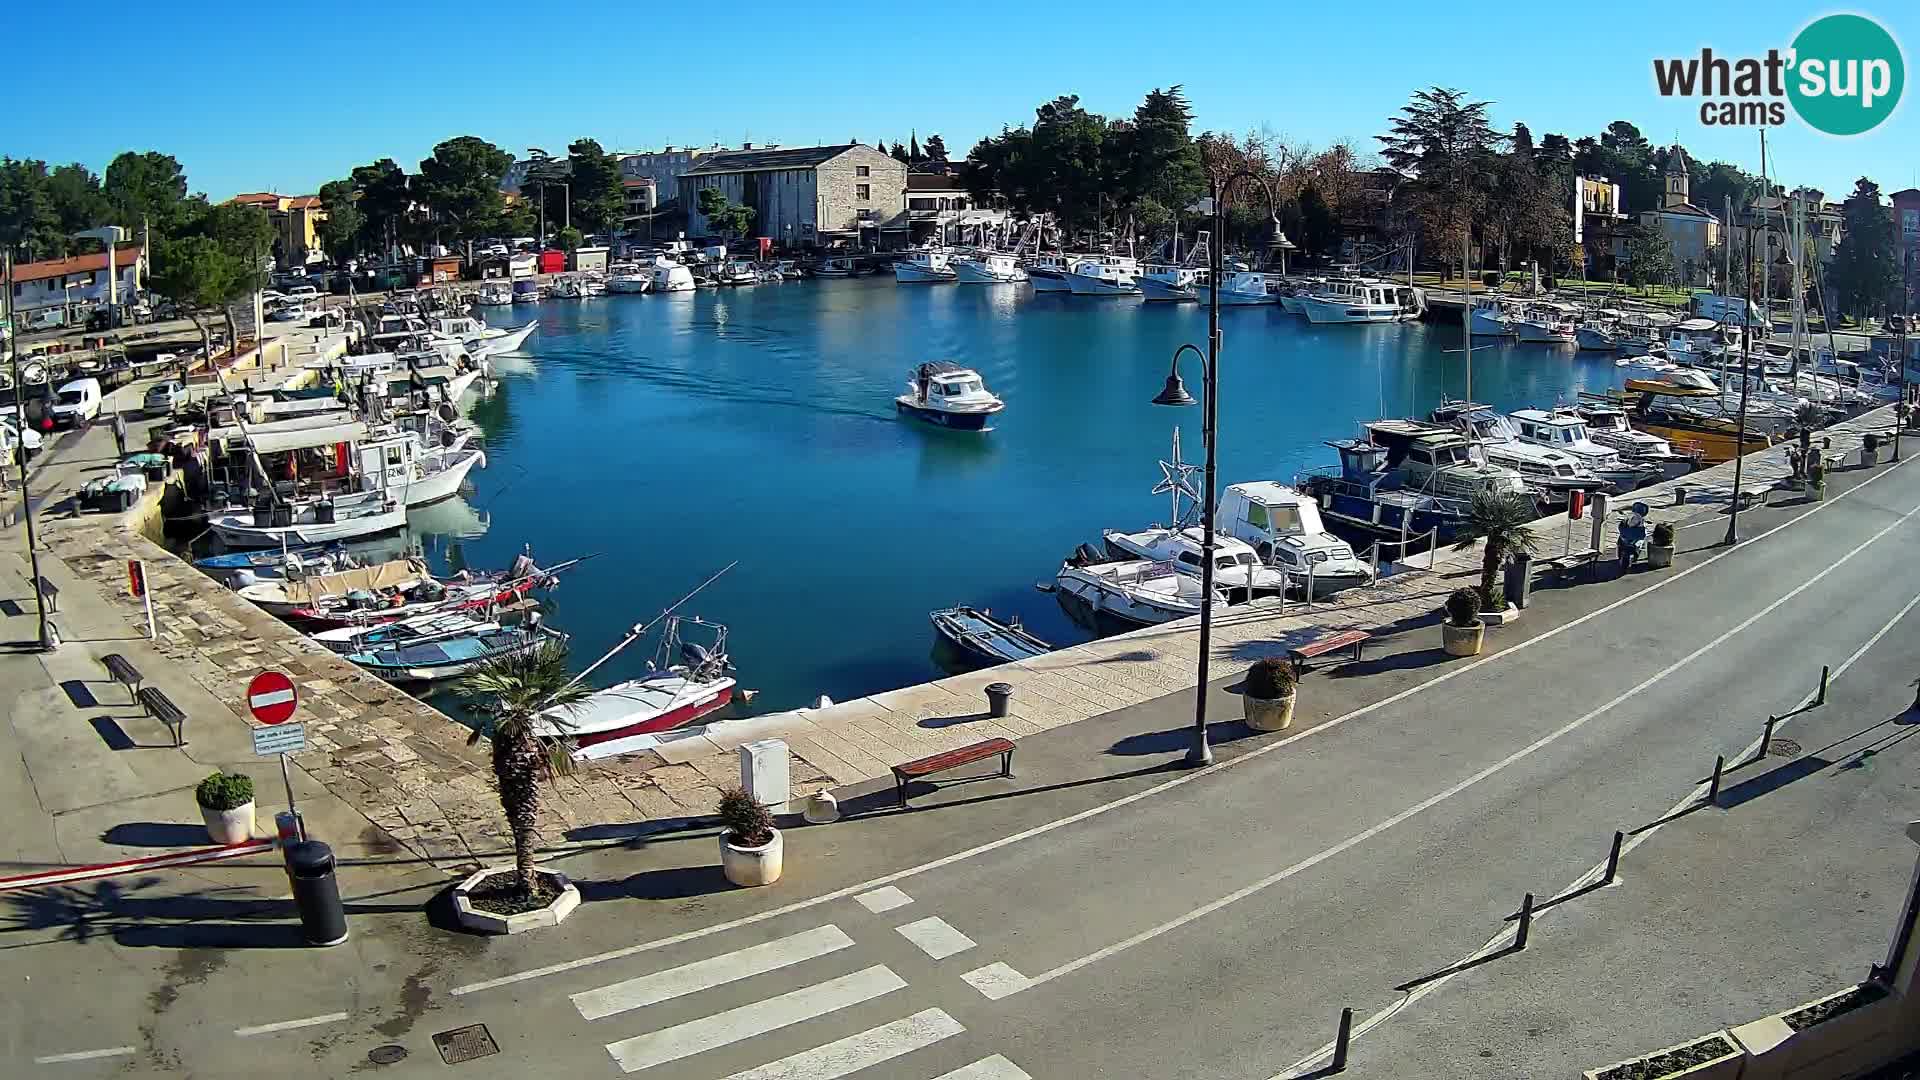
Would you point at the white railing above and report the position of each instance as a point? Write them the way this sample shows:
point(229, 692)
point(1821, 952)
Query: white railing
point(1412, 561)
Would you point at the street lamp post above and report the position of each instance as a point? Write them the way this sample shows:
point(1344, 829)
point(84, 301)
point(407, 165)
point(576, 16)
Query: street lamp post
point(1746, 381)
point(45, 638)
point(1200, 753)
point(1900, 351)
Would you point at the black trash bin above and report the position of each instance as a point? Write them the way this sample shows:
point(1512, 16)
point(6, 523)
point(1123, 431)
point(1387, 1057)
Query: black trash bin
point(316, 892)
point(999, 697)
point(1519, 583)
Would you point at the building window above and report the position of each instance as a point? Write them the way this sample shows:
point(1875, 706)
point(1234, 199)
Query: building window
point(863, 191)
point(862, 170)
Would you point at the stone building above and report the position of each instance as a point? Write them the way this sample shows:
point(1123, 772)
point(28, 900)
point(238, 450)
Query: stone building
point(810, 196)
point(1692, 230)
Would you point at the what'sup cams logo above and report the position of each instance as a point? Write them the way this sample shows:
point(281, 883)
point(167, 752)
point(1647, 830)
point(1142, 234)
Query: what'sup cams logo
point(1842, 75)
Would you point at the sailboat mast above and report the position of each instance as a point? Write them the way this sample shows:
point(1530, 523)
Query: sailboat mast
point(1466, 306)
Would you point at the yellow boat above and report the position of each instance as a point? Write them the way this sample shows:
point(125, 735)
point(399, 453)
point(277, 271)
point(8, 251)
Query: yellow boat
point(1717, 440)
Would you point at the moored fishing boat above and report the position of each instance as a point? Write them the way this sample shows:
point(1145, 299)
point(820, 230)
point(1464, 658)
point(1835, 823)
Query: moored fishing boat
point(695, 681)
point(451, 657)
point(275, 523)
point(1134, 592)
point(988, 268)
point(929, 267)
point(985, 640)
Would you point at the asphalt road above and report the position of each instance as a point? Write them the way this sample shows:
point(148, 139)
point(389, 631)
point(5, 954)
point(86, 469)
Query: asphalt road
point(1156, 923)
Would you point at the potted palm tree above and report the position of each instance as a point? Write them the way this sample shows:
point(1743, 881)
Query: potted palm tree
point(1269, 694)
point(508, 695)
point(1501, 520)
point(1463, 633)
point(1870, 449)
point(1806, 418)
point(226, 805)
point(1817, 477)
point(750, 847)
point(1660, 546)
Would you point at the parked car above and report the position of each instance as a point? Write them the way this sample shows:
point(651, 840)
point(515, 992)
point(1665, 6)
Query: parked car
point(11, 436)
point(164, 397)
point(77, 402)
point(303, 292)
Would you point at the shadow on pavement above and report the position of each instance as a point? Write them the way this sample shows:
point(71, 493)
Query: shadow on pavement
point(1176, 740)
point(953, 721)
point(80, 693)
point(1405, 661)
point(882, 798)
point(1456, 968)
point(674, 883)
point(156, 834)
point(1130, 656)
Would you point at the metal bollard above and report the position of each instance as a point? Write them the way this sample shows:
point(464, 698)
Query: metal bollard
point(1826, 675)
point(1526, 922)
point(999, 699)
point(323, 921)
point(1680, 495)
point(1613, 858)
point(1766, 737)
point(1340, 1041)
point(1713, 792)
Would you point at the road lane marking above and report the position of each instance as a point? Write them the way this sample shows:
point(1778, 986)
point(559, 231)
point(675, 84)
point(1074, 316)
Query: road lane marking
point(936, 937)
point(289, 1025)
point(856, 1052)
point(996, 981)
point(1594, 873)
point(883, 899)
point(1436, 799)
point(758, 1018)
point(711, 972)
point(987, 1068)
point(85, 1055)
point(1185, 778)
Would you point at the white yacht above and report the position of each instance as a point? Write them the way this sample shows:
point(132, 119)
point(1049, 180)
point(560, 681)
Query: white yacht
point(1700, 340)
point(1170, 284)
point(1544, 324)
point(1135, 592)
point(1104, 275)
point(1608, 426)
point(1285, 530)
point(1363, 300)
point(1238, 573)
point(1567, 432)
point(949, 396)
point(1551, 474)
point(924, 268)
point(670, 277)
point(988, 268)
point(1491, 317)
point(628, 278)
point(494, 294)
point(1240, 288)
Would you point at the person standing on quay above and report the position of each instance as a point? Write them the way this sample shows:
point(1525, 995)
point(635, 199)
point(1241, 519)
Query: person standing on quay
point(120, 432)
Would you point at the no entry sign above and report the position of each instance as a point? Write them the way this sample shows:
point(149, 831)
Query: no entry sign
point(271, 698)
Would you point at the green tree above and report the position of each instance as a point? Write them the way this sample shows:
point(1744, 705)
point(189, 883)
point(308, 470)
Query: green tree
point(1649, 257)
point(30, 225)
point(899, 154)
point(460, 183)
point(198, 277)
point(1866, 266)
point(568, 239)
point(1158, 158)
point(914, 156)
point(599, 199)
point(76, 197)
point(724, 216)
point(1711, 185)
point(146, 189)
point(936, 150)
point(1446, 143)
point(1500, 519)
point(344, 228)
point(385, 200)
point(509, 695)
point(1319, 230)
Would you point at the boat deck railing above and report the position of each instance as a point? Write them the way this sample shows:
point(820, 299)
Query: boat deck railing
point(1402, 548)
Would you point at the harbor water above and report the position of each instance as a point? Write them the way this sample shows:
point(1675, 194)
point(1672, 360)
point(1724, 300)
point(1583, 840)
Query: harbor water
point(674, 434)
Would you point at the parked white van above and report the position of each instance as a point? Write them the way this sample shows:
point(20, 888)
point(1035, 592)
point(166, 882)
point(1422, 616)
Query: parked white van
point(78, 402)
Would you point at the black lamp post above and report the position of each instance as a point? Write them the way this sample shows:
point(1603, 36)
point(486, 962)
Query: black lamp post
point(1175, 393)
point(1746, 380)
point(1900, 351)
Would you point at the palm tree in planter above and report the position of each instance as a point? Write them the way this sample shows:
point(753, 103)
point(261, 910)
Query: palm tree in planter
point(509, 694)
point(751, 849)
point(1808, 417)
point(1501, 519)
point(1660, 546)
point(1463, 633)
point(1268, 694)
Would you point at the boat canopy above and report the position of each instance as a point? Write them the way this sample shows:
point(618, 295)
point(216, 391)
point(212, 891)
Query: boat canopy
point(386, 575)
point(941, 367)
point(274, 442)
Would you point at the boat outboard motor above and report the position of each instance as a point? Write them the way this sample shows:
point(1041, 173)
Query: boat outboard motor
point(694, 656)
point(1087, 555)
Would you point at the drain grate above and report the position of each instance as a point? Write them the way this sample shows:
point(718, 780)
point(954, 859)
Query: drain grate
point(464, 1044)
point(388, 1054)
point(1784, 748)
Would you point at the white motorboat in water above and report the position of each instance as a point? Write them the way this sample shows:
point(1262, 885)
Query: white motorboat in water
point(1237, 572)
point(320, 521)
point(930, 267)
point(1363, 300)
point(671, 277)
point(1544, 324)
point(1048, 273)
point(1551, 474)
point(1170, 284)
point(697, 680)
point(1284, 528)
point(949, 396)
point(988, 268)
point(1104, 275)
point(628, 279)
point(837, 266)
point(354, 638)
point(494, 294)
point(1492, 317)
point(402, 466)
point(1567, 432)
point(1241, 288)
point(1608, 426)
point(1135, 592)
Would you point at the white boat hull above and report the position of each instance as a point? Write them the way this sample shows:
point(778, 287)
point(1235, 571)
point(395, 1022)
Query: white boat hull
point(443, 483)
point(239, 531)
point(1230, 297)
point(1536, 334)
point(1485, 325)
point(1084, 285)
point(1293, 305)
point(505, 343)
point(1594, 341)
point(1158, 291)
point(628, 286)
point(1331, 312)
point(972, 273)
point(909, 274)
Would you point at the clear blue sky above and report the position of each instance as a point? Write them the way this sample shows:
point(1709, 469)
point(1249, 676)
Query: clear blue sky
point(253, 97)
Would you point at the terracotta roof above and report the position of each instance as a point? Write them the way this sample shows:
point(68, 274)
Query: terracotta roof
point(303, 202)
point(78, 264)
point(733, 161)
point(258, 198)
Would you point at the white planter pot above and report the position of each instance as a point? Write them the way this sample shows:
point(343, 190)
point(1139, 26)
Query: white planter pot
point(1269, 714)
point(1501, 617)
point(1869, 458)
point(1658, 557)
point(233, 826)
point(750, 866)
point(1463, 640)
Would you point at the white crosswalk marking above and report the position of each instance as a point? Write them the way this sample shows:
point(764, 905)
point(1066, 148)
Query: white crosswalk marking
point(987, 1068)
point(936, 937)
point(885, 898)
point(996, 981)
point(705, 974)
point(856, 1052)
point(758, 1018)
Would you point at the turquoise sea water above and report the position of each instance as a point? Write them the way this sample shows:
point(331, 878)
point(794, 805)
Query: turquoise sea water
point(674, 434)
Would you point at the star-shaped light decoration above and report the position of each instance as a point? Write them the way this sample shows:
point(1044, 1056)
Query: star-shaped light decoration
point(1176, 479)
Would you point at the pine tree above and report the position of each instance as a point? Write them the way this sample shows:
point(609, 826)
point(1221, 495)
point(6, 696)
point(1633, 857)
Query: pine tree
point(1866, 270)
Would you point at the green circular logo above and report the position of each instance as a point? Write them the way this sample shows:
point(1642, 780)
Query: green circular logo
point(1847, 74)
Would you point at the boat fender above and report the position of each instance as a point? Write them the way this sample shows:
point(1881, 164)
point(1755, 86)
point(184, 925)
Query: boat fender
point(823, 702)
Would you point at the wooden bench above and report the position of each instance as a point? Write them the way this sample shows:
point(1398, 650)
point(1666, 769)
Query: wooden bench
point(952, 759)
point(161, 708)
point(122, 671)
point(1326, 643)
